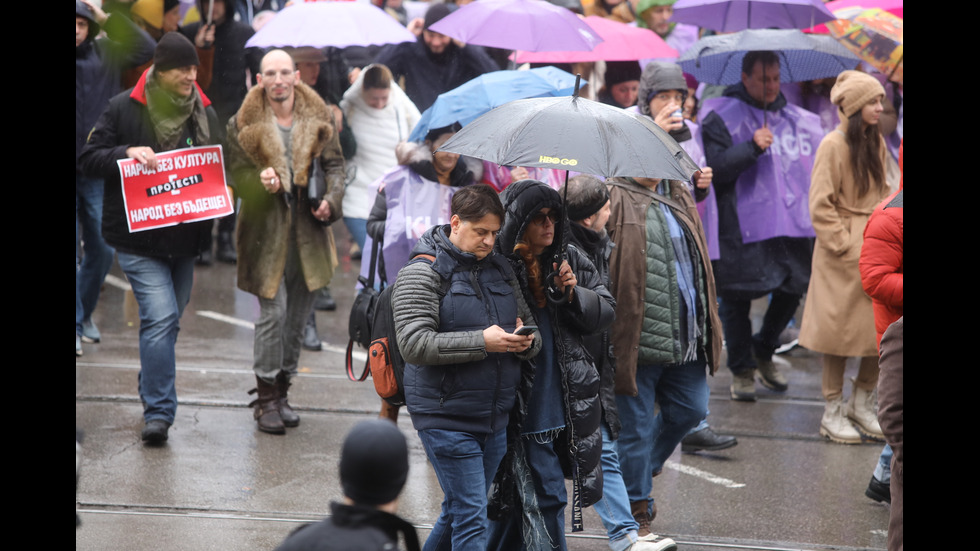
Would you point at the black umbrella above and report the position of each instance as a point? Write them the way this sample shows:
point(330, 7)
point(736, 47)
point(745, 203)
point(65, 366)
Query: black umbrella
point(573, 133)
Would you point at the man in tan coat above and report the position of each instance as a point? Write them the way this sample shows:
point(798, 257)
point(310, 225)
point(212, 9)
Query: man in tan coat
point(281, 144)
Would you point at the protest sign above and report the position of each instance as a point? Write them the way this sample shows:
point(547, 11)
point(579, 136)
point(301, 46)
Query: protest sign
point(188, 185)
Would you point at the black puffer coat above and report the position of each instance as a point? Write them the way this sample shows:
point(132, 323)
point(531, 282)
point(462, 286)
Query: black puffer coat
point(590, 311)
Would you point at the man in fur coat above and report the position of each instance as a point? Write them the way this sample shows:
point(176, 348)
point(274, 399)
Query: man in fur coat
point(282, 143)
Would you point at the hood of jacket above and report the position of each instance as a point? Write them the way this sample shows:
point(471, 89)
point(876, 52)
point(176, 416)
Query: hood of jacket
point(354, 98)
point(522, 200)
point(418, 157)
point(259, 135)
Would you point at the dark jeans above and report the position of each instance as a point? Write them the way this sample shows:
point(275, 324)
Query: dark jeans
point(464, 464)
point(737, 326)
point(97, 257)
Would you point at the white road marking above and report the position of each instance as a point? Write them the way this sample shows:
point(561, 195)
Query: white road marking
point(356, 355)
point(225, 318)
point(704, 475)
point(118, 283)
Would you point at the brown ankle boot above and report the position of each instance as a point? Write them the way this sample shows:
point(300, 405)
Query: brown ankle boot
point(289, 417)
point(642, 516)
point(267, 407)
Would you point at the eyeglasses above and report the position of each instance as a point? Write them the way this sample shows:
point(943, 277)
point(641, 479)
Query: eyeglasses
point(540, 217)
point(271, 74)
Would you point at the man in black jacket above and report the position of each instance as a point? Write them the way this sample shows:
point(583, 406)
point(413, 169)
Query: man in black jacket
point(434, 63)
point(588, 207)
point(373, 470)
point(163, 112)
point(98, 67)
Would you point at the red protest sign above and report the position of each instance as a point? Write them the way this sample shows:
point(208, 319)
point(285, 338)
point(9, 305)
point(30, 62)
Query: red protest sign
point(188, 185)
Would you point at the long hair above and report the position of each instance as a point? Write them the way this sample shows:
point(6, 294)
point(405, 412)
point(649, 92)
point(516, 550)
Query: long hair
point(864, 143)
point(535, 280)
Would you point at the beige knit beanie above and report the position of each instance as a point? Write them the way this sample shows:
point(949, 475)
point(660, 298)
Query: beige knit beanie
point(853, 91)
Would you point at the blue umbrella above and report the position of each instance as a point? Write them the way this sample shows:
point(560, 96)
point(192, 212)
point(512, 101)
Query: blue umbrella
point(468, 101)
point(718, 59)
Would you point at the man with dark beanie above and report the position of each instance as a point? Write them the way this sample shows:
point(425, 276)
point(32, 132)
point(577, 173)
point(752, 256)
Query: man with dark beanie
point(164, 111)
point(434, 63)
point(373, 470)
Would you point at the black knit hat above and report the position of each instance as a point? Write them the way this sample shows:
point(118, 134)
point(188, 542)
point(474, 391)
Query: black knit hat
point(374, 462)
point(621, 71)
point(174, 50)
point(435, 13)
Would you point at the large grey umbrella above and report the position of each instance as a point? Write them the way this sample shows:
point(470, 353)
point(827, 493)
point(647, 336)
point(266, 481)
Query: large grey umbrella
point(573, 133)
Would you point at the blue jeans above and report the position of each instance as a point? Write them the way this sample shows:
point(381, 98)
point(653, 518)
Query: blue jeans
point(97, 256)
point(737, 326)
point(162, 288)
point(883, 470)
point(648, 438)
point(614, 507)
point(358, 230)
point(465, 464)
point(548, 484)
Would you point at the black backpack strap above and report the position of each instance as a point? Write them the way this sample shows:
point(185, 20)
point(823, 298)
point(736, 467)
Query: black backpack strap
point(350, 365)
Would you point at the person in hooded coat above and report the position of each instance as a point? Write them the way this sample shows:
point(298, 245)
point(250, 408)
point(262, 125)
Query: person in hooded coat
point(434, 63)
point(556, 434)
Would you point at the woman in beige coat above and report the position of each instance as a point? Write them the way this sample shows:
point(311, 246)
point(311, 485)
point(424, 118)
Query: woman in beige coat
point(848, 181)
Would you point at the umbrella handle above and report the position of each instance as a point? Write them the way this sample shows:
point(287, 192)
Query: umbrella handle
point(555, 296)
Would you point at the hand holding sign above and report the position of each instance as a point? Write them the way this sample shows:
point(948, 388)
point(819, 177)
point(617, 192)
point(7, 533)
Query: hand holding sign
point(143, 155)
point(173, 187)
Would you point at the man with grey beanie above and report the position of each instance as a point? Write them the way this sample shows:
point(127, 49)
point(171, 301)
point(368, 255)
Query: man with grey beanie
point(373, 470)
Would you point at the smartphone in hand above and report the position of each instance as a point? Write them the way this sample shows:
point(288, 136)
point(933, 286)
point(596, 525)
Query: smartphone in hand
point(526, 330)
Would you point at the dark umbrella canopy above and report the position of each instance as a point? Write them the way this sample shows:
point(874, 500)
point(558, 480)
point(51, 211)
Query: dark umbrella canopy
point(718, 59)
point(573, 133)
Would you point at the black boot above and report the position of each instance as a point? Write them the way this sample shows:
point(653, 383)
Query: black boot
point(311, 341)
point(226, 248)
point(289, 417)
point(324, 300)
point(267, 407)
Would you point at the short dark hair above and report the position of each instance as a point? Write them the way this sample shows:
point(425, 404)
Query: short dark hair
point(473, 202)
point(377, 76)
point(586, 195)
point(765, 56)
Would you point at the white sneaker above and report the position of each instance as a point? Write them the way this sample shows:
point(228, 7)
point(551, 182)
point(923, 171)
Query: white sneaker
point(653, 542)
point(835, 424)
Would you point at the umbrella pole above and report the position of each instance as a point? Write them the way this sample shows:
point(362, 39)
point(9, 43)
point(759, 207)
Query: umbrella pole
point(765, 112)
point(560, 256)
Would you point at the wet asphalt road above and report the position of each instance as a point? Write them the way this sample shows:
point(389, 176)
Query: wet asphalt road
point(221, 484)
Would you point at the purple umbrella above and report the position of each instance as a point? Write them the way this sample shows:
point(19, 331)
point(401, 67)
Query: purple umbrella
point(737, 15)
point(324, 24)
point(530, 25)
